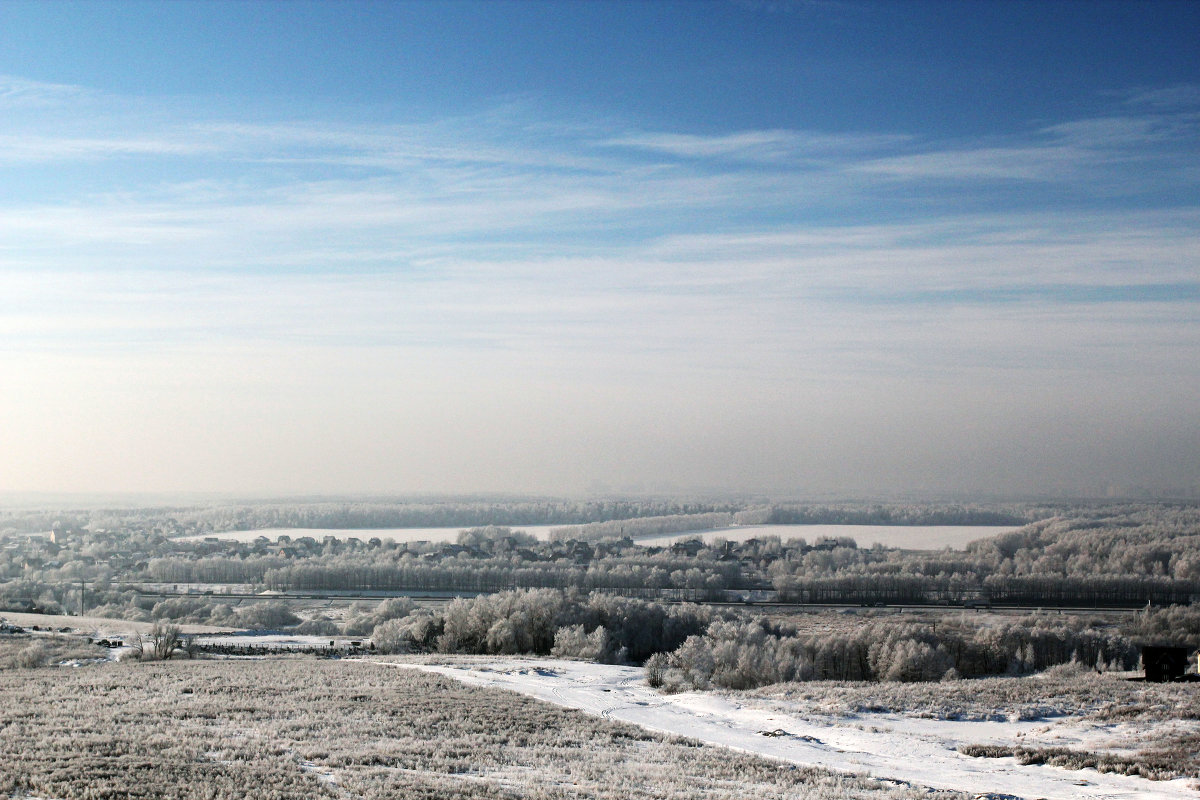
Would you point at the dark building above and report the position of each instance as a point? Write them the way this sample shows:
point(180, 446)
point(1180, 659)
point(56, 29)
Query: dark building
point(1163, 664)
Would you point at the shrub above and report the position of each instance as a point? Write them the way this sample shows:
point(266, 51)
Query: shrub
point(572, 642)
point(268, 616)
point(391, 637)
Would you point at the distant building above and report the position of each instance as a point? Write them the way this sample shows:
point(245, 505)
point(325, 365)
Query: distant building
point(689, 548)
point(582, 552)
point(1164, 664)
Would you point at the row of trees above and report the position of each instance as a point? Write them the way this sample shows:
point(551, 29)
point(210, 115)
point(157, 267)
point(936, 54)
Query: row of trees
point(544, 622)
point(743, 655)
point(693, 647)
point(449, 512)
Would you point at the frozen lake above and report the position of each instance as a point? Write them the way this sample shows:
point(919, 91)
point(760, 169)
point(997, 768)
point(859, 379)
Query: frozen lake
point(908, 537)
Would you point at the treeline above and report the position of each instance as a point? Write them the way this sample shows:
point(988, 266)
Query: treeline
point(452, 513)
point(895, 514)
point(1157, 541)
point(271, 615)
point(870, 587)
point(1112, 556)
point(568, 624)
point(469, 512)
point(1174, 625)
point(668, 576)
point(695, 647)
point(744, 655)
point(444, 514)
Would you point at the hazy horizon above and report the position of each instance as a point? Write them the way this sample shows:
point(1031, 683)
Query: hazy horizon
point(801, 248)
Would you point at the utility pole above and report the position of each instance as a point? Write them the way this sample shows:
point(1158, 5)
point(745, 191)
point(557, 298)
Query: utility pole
point(81, 598)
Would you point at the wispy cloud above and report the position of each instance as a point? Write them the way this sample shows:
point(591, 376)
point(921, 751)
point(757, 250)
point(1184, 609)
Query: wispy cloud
point(16, 91)
point(1184, 95)
point(1128, 132)
point(774, 260)
point(766, 146)
point(24, 148)
point(996, 163)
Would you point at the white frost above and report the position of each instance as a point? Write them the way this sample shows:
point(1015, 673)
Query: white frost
point(920, 751)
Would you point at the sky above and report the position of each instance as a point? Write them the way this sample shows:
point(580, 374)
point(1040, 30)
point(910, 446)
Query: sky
point(809, 249)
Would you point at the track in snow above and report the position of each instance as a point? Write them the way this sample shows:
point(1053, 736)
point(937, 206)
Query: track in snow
point(918, 751)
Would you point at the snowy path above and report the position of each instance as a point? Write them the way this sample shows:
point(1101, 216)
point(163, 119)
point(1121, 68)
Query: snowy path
point(919, 751)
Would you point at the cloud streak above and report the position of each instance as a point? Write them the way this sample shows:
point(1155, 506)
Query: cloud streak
point(478, 274)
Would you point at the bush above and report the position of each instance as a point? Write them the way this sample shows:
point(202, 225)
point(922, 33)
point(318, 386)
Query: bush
point(363, 622)
point(318, 627)
point(34, 655)
point(267, 616)
point(25, 652)
point(572, 642)
point(656, 670)
point(391, 637)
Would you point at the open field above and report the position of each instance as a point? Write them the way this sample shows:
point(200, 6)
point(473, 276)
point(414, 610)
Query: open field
point(304, 728)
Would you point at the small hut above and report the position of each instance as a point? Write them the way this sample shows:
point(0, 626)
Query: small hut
point(1164, 664)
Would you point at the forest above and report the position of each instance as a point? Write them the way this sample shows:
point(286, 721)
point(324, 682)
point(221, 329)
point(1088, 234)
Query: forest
point(470, 512)
point(1120, 556)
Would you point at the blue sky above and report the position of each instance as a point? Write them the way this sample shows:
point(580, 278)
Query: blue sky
point(805, 248)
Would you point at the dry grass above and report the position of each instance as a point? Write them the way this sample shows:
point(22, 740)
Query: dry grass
point(1055, 693)
point(304, 728)
point(1164, 761)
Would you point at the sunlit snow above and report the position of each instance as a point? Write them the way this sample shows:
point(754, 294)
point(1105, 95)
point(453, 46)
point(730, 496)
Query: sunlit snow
point(919, 751)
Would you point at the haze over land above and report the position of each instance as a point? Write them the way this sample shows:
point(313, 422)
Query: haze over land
point(798, 248)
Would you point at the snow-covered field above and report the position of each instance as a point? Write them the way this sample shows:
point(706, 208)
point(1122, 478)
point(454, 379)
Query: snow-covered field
point(920, 751)
point(908, 537)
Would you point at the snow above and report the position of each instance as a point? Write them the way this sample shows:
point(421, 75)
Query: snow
point(892, 746)
point(280, 640)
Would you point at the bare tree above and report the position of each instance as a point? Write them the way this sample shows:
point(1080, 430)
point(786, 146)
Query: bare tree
point(134, 640)
point(189, 645)
point(164, 638)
